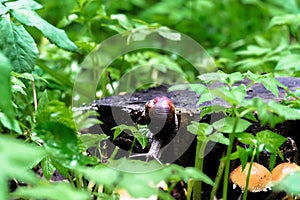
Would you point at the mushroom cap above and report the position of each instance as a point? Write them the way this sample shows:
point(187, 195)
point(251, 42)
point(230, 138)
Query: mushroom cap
point(260, 178)
point(283, 169)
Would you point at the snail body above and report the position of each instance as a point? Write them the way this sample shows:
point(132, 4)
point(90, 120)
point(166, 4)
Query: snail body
point(162, 123)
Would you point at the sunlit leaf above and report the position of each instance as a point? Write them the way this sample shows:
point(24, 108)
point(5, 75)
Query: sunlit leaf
point(17, 45)
point(227, 124)
point(55, 35)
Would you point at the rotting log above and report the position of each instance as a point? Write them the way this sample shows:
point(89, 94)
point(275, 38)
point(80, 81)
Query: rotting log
point(127, 109)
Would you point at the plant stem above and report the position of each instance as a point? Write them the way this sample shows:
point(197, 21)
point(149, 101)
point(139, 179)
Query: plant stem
point(197, 185)
point(189, 189)
point(227, 166)
point(218, 178)
point(248, 174)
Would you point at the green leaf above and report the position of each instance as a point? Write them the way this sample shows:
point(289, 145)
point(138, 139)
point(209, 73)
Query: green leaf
point(16, 159)
point(219, 138)
point(246, 138)
point(5, 88)
point(169, 34)
point(284, 111)
point(17, 45)
point(55, 35)
point(9, 123)
point(101, 174)
point(24, 4)
point(234, 96)
point(243, 155)
point(202, 130)
point(61, 143)
point(289, 63)
point(92, 140)
point(226, 125)
point(212, 77)
point(123, 21)
point(47, 167)
point(51, 191)
point(270, 140)
point(289, 184)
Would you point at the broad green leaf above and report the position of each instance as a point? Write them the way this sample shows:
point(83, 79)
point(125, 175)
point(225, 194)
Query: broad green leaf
point(284, 20)
point(92, 140)
point(5, 88)
point(270, 140)
point(243, 155)
point(234, 77)
point(17, 158)
point(55, 35)
point(120, 128)
point(289, 63)
point(206, 97)
point(289, 184)
point(284, 111)
point(61, 143)
point(17, 45)
point(219, 138)
point(246, 138)
point(270, 83)
point(202, 130)
point(51, 191)
point(213, 77)
point(234, 96)
point(226, 125)
point(254, 51)
point(55, 111)
point(47, 167)
point(9, 123)
point(206, 110)
point(101, 174)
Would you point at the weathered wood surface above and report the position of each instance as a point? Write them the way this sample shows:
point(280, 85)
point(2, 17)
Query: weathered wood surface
point(127, 109)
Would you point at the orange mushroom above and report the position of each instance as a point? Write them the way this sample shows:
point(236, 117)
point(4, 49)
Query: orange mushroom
point(260, 177)
point(283, 169)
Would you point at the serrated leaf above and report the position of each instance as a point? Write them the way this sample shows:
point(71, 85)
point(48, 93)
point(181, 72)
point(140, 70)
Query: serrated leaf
point(226, 125)
point(285, 111)
point(271, 141)
point(55, 35)
point(270, 83)
point(17, 45)
point(47, 167)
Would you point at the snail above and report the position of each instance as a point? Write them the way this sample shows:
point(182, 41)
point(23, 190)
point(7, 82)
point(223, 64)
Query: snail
point(162, 124)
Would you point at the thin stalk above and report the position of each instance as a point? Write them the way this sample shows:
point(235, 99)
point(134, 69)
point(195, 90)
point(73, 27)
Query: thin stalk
point(218, 178)
point(249, 174)
point(197, 185)
point(227, 165)
point(35, 103)
point(189, 189)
